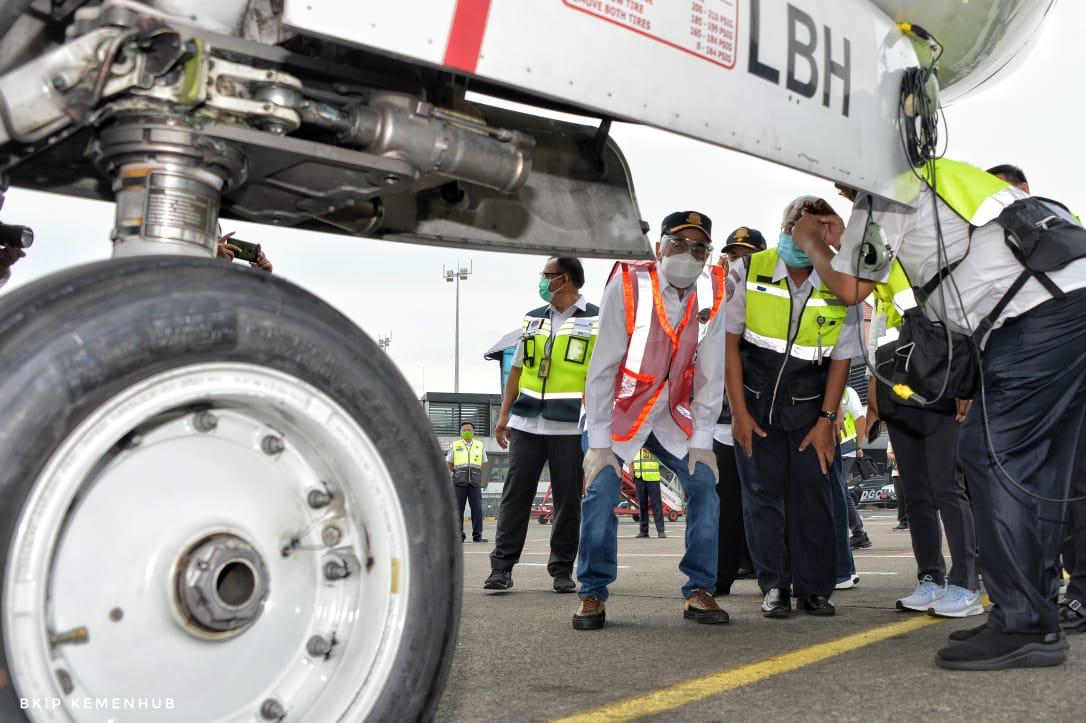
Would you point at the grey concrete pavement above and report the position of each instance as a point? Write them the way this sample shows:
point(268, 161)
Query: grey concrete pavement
point(518, 657)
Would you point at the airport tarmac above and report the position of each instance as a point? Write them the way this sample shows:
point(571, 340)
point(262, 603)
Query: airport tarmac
point(519, 659)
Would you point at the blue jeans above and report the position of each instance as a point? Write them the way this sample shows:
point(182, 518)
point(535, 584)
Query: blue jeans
point(846, 565)
point(597, 561)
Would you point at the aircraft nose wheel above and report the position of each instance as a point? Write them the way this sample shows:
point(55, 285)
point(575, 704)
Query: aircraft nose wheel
point(216, 505)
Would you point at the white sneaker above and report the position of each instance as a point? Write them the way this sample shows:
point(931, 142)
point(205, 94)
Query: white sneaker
point(923, 597)
point(957, 602)
point(848, 583)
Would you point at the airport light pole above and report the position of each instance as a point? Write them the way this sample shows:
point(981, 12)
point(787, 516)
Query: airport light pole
point(384, 341)
point(457, 274)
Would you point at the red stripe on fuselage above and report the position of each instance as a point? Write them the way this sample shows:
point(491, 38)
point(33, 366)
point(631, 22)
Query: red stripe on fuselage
point(466, 34)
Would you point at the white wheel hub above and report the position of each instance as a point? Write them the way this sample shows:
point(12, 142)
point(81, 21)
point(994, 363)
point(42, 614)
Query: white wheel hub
point(239, 554)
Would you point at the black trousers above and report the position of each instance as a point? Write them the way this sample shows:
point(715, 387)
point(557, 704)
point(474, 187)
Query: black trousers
point(1074, 543)
point(899, 491)
point(473, 495)
point(649, 498)
point(855, 522)
point(926, 445)
point(527, 455)
point(791, 521)
point(732, 552)
point(1035, 377)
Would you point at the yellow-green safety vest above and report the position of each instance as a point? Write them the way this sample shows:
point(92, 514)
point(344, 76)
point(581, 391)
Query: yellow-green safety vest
point(894, 296)
point(848, 427)
point(558, 395)
point(646, 467)
point(467, 462)
point(974, 194)
point(769, 313)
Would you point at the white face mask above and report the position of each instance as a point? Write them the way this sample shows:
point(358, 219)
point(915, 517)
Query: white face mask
point(681, 271)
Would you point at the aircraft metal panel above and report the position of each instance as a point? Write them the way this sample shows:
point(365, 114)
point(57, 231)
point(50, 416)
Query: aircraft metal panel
point(811, 84)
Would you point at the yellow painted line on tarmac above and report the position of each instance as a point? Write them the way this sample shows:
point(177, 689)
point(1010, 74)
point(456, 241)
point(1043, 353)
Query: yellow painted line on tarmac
point(707, 686)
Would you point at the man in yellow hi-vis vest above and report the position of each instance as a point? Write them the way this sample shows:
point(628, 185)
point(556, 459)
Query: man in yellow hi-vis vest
point(466, 459)
point(789, 345)
point(646, 472)
point(1029, 326)
point(541, 406)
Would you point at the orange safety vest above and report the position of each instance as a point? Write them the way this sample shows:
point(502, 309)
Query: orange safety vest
point(657, 353)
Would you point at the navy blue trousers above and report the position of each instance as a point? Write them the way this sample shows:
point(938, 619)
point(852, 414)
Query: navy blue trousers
point(1035, 379)
point(649, 499)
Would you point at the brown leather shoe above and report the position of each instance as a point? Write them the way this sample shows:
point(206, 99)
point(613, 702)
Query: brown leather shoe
point(702, 608)
point(590, 615)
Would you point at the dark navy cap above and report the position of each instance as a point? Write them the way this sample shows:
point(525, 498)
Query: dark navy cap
point(750, 238)
point(679, 220)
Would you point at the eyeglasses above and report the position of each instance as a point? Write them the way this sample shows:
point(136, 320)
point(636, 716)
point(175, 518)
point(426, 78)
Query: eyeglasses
point(700, 250)
point(550, 274)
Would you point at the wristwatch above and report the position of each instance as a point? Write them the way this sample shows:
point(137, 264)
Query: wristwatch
point(830, 417)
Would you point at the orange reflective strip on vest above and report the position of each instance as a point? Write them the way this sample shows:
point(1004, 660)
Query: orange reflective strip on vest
point(628, 297)
point(661, 313)
point(647, 378)
point(641, 417)
point(718, 292)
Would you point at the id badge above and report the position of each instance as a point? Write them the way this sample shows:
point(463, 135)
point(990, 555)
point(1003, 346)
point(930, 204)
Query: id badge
point(544, 368)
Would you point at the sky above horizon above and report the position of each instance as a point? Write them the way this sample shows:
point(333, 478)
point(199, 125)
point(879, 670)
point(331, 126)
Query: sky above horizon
point(1031, 118)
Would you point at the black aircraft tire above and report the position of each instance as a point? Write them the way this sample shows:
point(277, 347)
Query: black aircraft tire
point(73, 340)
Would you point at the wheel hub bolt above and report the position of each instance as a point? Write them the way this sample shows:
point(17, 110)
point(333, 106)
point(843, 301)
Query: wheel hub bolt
point(318, 499)
point(331, 535)
point(319, 647)
point(205, 421)
point(336, 570)
point(272, 445)
point(271, 709)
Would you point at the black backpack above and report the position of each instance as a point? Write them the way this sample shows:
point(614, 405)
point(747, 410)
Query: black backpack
point(1043, 241)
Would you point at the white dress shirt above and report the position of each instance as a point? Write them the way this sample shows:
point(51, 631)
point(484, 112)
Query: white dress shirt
point(539, 424)
point(983, 277)
point(611, 347)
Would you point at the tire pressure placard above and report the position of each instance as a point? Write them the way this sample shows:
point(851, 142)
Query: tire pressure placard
point(708, 30)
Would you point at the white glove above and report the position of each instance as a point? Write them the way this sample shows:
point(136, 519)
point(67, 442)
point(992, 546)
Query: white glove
point(596, 459)
point(707, 458)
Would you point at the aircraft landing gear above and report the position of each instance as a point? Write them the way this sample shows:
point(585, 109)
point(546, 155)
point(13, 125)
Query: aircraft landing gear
point(217, 494)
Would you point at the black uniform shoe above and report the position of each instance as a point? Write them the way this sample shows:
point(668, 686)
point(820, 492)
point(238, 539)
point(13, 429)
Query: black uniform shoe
point(1073, 616)
point(991, 650)
point(590, 615)
point(702, 608)
point(960, 636)
point(901, 526)
point(564, 583)
point(642, 534)
point(745, 574)
point(860, 541)
point(661, 534)
point(777, 604)
point(816, 605)
point(479, 539)
point(499, 580)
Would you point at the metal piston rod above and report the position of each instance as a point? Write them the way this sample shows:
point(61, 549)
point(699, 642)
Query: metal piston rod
point(168, 180)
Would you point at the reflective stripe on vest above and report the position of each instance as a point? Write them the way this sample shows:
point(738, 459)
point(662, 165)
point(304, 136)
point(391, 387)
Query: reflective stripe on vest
point(769, 313)
point(646, 467)
point(975, 195)
point(658, 354)
point(558, 395)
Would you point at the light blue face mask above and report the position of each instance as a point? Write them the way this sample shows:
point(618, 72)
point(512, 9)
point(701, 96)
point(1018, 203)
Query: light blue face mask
point(791, 254)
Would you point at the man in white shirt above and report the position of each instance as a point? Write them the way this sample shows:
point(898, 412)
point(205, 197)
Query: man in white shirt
point(1032, 404)
point(645, 389)
point(789, 347)
point(541, 406)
